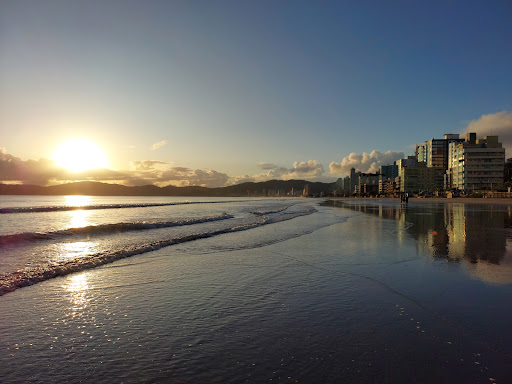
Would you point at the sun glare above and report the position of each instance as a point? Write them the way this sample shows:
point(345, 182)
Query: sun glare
point(80, 155)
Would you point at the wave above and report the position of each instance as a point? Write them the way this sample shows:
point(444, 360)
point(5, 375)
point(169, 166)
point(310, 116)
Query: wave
point(36, 274)
point(105, 229)
point(59, 208)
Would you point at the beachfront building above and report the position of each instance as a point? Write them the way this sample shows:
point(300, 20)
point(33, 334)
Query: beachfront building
point(508, 171)
point(435, 153)
point(387, 185)
point(389, 171)
point(436, 150)
point(420, 153)
point(342, 186)
point(354, 181)
point(387, 176)
point(417, 178)
point(476, 164)
point(368, 184)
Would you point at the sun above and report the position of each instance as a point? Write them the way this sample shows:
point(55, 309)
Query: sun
point(79, 155)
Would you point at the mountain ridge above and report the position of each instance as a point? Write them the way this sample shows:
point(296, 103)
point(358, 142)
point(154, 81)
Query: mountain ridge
point(94, 188)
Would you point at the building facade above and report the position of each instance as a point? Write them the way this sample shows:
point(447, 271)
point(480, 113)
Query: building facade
point(418, 178)
point(476, 165)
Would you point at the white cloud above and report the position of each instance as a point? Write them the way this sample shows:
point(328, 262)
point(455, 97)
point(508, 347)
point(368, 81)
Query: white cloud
point(162, 173)
point(300, 170)
point(186, 177)
point(365, 162)
point(158, 145)
point(495, 124)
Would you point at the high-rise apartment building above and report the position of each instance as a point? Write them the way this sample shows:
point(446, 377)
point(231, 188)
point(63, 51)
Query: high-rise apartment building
point(435, 153)
point(475, 164)
point(389, 171)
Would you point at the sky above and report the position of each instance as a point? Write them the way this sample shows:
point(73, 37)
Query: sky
point(214, 93)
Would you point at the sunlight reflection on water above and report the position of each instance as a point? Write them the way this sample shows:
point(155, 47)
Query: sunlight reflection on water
point(77, 200)
point(78, 219)
point(78, 287)
point(75, 250)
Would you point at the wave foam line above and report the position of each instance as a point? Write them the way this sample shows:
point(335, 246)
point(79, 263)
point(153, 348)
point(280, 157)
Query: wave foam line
point(101, 206)
point(105, 229)
point(30, 276)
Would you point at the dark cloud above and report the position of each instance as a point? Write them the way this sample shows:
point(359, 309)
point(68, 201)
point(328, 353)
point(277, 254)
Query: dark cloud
point(44, 171)
point(39, 172)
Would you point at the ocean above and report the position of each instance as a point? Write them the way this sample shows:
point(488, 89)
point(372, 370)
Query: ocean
point(240, 290)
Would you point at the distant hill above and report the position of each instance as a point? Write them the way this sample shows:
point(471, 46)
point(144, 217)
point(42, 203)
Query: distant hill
point(266, 188)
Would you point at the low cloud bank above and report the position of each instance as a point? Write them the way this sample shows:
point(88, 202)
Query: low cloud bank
point(365, 162)
point(162, 173)
point(299, 170)
point(44, 171)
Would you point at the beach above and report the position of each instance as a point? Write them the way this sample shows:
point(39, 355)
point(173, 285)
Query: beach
point(356, 291)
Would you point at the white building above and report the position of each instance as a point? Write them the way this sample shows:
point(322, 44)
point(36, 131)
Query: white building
point(475, 164)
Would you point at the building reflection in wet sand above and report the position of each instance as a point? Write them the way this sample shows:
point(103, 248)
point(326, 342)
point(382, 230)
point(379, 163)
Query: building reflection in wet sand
point(478, 234)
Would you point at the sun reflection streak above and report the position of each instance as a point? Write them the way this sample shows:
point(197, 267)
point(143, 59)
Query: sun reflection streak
point(77, 200)
point(78, 219)
point(78, 288)
point(76, 250)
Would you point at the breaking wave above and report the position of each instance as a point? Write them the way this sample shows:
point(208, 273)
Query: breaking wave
point(59, 208)
point(36, 274)
point(105, 229)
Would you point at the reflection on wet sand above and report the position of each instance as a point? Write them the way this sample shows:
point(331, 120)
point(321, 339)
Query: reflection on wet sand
point(480, 235)
point(78, 288)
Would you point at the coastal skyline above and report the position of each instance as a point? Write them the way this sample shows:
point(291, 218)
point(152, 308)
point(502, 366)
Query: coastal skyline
point(216, 93)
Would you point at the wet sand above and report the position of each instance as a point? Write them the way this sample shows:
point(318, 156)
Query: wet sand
point(465, 200)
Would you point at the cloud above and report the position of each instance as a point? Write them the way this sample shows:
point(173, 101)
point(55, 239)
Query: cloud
point(147, 165)
point(300, 170)
point(163, 173)
point(14, 169)
point(44, 171)
point(267, 165)
point(186, 177)
point(243, 179)
point(495, 124)
point(158, 145)
point(144, 172)
point(365, 162)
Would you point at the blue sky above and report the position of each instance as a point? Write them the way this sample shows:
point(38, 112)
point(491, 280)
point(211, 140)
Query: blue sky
point(244, 88)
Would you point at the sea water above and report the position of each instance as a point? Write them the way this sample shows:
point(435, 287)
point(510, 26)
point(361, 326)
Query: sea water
point(223, 290)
